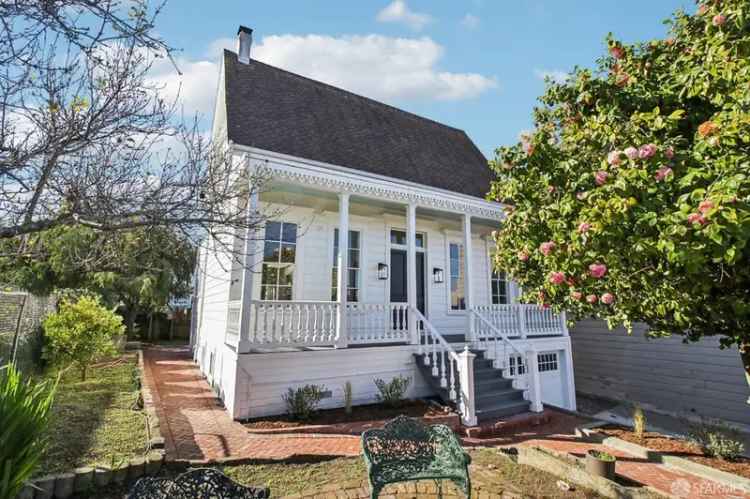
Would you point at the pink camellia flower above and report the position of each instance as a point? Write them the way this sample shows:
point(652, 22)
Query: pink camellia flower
point(551, 189)
point(523, 256)
point(608, 298)
point(617, 52)
point(557, 278)
point(663, 173)
point(601, 177)
point(647, 151)
point(547, 247)
point(592, 299)
point(613, 158)
point(702, 10)
point(597, 270)
point(584, 227)
point(581, 196)
point(697, 218)
point(576, 295)
point(706, 206)
point(631, 152)
point(719, 19)
point(669, 152)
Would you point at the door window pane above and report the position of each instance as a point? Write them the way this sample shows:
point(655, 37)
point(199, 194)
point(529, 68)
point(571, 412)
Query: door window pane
point(353, 271)
point(398, 238)
point(458, 298)
point(277, 274)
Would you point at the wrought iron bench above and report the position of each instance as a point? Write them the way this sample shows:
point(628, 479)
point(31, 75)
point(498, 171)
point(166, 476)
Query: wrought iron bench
point(406, 450)
point(200, 483)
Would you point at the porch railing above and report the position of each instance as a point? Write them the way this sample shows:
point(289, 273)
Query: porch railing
point(292, 323)
point(377, 322)
point(522, 320)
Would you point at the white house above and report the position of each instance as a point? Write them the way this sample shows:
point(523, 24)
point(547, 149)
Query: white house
point(405, 196)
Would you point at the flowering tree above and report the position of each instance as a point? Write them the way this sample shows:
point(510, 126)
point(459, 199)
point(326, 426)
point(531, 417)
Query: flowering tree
point(630, 199)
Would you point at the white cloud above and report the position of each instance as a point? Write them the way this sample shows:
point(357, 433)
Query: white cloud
point(377, 66)
point(380, 67)
point(556, 75)
point(470, 21)
point(398, 12)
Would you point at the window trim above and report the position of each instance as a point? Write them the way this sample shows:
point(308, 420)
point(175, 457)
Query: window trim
point(360, 277)
point(551, 364)
point(298, 260)
point(449, 308)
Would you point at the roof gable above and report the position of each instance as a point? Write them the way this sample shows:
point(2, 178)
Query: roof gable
point(279, 111)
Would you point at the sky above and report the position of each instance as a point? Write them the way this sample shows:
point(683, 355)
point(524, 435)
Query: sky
point(477, 65)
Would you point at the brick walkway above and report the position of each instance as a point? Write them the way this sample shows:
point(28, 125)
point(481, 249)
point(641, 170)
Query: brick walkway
point(196, 427)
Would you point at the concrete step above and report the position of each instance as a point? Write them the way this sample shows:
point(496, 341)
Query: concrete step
point(501, 409)
point(494, 397)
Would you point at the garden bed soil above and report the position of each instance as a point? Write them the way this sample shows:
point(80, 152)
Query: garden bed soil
point(360, 413)
point(678, 447)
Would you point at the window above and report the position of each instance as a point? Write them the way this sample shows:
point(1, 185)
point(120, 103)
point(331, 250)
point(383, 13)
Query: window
point(279, 253)
point(458, 298)
point(398, 238)
point(547, 362)
point(352, 283)
point(499, 288)
point(516, 365)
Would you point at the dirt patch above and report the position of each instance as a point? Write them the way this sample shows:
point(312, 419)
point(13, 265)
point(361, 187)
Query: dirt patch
point(360, 413)
point(679, 447)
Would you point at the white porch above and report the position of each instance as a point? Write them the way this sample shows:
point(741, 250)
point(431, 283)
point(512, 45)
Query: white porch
point(450, 308)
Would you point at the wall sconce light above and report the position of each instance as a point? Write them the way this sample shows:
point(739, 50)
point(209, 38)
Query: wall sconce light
point(437, 275)
point(382, 271)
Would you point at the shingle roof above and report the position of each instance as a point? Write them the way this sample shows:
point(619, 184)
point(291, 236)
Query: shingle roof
point(279, 111)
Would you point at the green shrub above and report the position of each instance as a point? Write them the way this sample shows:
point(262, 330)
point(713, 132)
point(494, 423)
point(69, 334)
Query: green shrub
point(348, 397)
point(81, 333)
point(392, 393)
point(302, 402)
point(718, 440)
point(24, 412)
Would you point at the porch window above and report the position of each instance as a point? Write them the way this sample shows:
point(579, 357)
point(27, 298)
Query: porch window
point(398, 238)
point(352, 283)
point(279, 253)
point(458, 298)
point(499, 288)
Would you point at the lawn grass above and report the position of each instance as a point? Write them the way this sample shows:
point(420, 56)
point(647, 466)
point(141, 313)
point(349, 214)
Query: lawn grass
point(93, 421)
point(491, 470)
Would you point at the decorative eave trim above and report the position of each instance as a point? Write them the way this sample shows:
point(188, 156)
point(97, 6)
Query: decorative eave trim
point(338, 179)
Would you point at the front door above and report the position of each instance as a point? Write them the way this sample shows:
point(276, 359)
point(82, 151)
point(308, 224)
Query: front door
point(398, 278)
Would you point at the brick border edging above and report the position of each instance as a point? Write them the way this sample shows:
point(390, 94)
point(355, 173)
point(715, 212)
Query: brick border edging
point(151, 407)
point(676, 462)
point(571, 468)
point(351, 429)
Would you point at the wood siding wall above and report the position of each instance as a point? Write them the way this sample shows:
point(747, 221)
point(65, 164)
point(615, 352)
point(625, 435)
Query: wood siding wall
point(696, 379)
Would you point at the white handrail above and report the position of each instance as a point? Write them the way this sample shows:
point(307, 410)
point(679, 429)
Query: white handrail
point(446, 365)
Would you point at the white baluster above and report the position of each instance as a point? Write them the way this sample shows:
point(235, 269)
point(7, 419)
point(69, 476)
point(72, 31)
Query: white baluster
point(443, 381)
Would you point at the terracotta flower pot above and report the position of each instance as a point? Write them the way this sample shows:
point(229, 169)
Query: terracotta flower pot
point(600, 464)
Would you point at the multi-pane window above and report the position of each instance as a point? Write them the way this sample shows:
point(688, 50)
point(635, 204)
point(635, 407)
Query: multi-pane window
point(398, 238)
point(456, 256)
point(547, 362)
point(279, 252)
point(516, 365)
point(352, 275)
point(499, 288)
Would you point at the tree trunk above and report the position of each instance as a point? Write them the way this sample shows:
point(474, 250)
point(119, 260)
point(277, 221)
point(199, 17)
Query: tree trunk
point(130, 320)
point(150, 326)
point(83, 373)
point(745, 356)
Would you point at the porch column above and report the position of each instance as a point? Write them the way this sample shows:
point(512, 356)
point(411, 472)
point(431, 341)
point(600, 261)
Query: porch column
point(250, 264)
point(411, 269)
point(468, 275)
point(342, 262)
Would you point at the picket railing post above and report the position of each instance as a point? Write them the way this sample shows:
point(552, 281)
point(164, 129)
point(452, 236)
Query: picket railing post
point(466, 382)
point(535, 384)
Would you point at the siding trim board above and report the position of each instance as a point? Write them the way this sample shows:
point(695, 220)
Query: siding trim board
point(694, 379)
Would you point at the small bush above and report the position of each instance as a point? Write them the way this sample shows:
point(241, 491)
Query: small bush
point(348, 397)
point(604, 456)
point(302, 402)
point(639, 422)
point(392, 393)
point(718, 440)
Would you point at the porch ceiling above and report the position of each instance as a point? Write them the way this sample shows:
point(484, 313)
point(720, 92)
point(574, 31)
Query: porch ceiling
point(326, 201)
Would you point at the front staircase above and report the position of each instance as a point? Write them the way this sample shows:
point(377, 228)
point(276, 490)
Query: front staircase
point(494, 395)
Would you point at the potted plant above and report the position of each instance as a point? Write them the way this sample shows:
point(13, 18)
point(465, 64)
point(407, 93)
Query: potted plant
point(600, 463)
